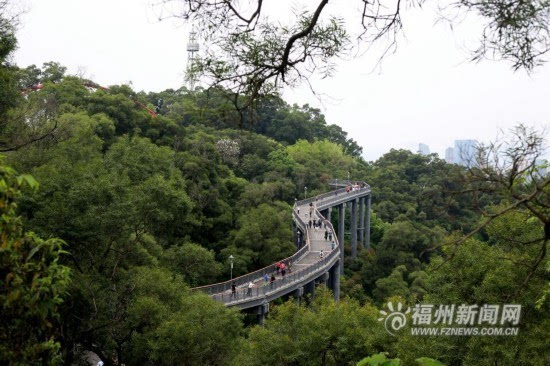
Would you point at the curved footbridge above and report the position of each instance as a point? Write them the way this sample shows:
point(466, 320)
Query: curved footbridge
point(307, 266)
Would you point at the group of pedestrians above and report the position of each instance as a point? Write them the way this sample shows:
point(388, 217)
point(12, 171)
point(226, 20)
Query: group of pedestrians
point(249, 287)
point(354, 187)
point(315, 224)
point(282, 269)
point(271, 279)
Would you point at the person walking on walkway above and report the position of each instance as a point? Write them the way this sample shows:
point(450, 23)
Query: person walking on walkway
point(266, 278)
point(272, 281)
point(321, 255)
point(233, 290)
point(332, 245)
point(250, 287)
point(310, 223)
point(326, 234)
point(330, 235)
point(320, 223)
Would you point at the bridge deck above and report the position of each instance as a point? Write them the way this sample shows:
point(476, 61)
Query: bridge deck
point(305, 265)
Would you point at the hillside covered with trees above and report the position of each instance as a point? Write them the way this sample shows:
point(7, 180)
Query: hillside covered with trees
point(110, 215)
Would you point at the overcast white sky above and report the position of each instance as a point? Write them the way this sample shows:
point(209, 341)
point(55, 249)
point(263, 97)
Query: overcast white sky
point(425, 92)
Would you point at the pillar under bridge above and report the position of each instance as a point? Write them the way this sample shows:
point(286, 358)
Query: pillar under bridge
point(366, 244)
point(341, 215)
point(353, 228)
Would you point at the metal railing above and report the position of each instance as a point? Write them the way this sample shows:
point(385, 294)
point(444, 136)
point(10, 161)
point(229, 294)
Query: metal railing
point(342, 196)
point(345, 182)
point(335, 192)
point(266, 288)
point(253, 276)
point(297, 219)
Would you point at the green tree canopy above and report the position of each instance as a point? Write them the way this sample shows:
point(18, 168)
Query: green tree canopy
point(33, 282)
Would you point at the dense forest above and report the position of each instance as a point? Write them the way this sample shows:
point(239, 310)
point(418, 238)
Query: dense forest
point(109, 215)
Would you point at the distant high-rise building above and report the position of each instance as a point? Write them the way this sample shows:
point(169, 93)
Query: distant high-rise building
point(423, 149)
point(465, 152)
point(450, 155)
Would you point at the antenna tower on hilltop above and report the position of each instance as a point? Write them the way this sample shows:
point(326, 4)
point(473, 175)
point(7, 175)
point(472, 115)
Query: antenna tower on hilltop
point(192, 49)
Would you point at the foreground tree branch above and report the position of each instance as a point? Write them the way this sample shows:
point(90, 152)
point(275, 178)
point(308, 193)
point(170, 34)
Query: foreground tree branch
point(253, 56)
point(509, 171)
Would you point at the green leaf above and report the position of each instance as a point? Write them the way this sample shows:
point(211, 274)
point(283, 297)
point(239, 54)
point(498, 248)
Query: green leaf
point(29, 179)
point(424, 361)
point(33, 252)
point(379, 359)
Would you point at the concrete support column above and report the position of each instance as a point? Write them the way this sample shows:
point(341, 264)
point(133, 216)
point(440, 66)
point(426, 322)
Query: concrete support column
point(335, 280)
point(324, 279)
point(361, 227)
point(353, 228)
point(261, 312)
point(367, 223)
point(329, 213)
point(309, 289)
point(297, 294)
point(341, 215)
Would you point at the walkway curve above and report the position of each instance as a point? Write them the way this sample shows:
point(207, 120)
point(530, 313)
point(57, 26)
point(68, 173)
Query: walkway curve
point(306, 264)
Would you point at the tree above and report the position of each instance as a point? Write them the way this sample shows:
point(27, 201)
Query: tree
point(403, 246)
point(482, 273)
point(422, 189)
point(393, 285)
point(52, 72)
point(31, 121)
point(29, 77)
point(201, 332)
point(319, 162)
point(9, 92)
point(264, 233)
point(381, 359)
point(510, 171)
point(195, 263)
point(164, 323)
point(33, 282)
point(252, 54)
point(325, 333)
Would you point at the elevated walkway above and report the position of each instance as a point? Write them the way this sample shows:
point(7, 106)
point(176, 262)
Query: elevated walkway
point(307, 266)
